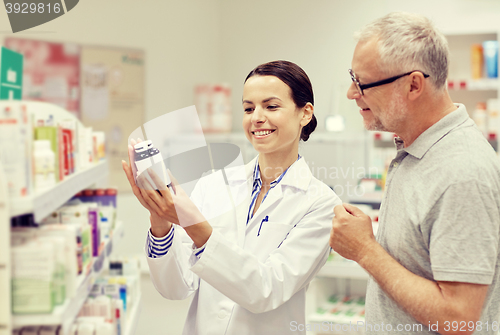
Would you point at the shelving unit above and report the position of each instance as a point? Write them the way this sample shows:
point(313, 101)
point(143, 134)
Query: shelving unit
point(41, 205)
point(44, 203)
point(342, 269)
point(33, 205)
point(66, 313)
point(462, 87)
point(485, 84)
point(5, 298)
point(339, 277)
point(132, 318)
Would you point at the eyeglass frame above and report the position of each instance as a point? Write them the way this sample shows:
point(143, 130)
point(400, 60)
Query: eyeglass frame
point(361, 87)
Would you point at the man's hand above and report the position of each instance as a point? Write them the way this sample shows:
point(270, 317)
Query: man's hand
point(352, 233)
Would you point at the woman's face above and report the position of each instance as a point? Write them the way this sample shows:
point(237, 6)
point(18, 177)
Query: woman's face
point(271, 121)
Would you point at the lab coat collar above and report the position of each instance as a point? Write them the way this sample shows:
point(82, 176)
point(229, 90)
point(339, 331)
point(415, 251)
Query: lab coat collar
point(240, 180)
point(298, 175)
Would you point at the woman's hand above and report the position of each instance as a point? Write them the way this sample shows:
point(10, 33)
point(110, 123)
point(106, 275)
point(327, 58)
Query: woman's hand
point(154, 195)
point(175, 206)
point(159, 226)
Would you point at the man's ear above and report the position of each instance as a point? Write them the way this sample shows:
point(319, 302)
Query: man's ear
point(417, 85)
point(308, 112)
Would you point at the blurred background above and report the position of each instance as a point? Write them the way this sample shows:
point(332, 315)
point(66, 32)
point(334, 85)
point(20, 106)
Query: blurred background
point(198, 53)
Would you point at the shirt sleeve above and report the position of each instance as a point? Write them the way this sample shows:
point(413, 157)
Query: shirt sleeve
point(159, 246)
point(465, 233)
point(198, 251)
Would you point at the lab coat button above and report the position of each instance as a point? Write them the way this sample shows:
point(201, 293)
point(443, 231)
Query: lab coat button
point(222, 315)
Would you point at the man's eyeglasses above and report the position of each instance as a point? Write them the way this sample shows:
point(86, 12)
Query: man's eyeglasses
point(361, 87)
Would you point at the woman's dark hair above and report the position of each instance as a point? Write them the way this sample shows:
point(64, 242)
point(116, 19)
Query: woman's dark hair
point(299, 83)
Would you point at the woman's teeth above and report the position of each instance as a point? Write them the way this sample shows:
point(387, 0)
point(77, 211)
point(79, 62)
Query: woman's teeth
point(262, 133)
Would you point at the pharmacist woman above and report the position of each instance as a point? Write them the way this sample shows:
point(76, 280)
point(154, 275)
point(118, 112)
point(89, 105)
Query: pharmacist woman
point(248, 269)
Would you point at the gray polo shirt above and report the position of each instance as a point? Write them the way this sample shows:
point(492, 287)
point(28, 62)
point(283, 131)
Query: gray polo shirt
point(440, 218)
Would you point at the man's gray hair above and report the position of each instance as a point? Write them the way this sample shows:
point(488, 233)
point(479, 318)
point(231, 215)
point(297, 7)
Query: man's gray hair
point(409, 42)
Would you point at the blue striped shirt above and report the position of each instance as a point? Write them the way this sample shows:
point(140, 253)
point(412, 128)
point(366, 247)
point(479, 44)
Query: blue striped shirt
point(257, 186)
point(159, 246)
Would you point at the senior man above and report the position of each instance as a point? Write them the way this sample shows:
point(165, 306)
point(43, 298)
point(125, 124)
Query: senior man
point(435, 260)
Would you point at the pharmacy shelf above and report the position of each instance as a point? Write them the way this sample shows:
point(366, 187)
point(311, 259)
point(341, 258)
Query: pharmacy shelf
point(118, 233)
point(372, 199)
point(328, 322)
point(66, 313)
point(133, 318)
point(342, 269)
point(5, 282)
point(63, 314)
point(44, 203)
point(485, 84)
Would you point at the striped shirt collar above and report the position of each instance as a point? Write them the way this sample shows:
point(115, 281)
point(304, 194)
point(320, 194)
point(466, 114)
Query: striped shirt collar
point(257, 185)
point(256, 174)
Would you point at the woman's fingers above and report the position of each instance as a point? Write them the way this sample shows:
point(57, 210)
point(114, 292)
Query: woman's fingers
point(143, 182)
point(131, 160)
point(163, 206)
point(159, 184)
point(135, 189)
point(148, 194)
point(174, 182)
point(149, 188)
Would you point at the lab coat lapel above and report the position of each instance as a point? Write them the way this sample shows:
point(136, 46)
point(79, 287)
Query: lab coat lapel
point(273, 196)
point(298, 176)
point(241, 211)
point(240, 184)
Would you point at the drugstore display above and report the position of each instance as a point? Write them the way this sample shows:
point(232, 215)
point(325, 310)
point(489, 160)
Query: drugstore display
point(57, 230)
point(113, 302)
point(336, 296)
point(473, 79)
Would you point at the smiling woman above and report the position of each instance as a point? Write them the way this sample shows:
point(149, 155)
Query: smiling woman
point(249, 267)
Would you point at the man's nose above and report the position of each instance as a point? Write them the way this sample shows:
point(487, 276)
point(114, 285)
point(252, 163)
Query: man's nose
point(352, 92)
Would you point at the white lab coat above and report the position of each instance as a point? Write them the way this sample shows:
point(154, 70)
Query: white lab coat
point(244, 283)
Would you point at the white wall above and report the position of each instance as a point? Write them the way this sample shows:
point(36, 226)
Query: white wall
point(181, 39)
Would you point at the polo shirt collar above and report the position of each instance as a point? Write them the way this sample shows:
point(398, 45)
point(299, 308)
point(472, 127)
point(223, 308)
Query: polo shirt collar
point(435, 133)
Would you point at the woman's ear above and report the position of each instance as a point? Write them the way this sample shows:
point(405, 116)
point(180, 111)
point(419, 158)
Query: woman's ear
point(307, 114)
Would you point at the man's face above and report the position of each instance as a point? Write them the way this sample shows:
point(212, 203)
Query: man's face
point(383, 107)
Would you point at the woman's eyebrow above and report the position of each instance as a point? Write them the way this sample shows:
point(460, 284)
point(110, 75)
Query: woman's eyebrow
point(271, 98)
point(264, 101)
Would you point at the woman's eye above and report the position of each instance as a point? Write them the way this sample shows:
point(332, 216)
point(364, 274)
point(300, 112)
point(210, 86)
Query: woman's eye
point(248, 110)
point(272, 107)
